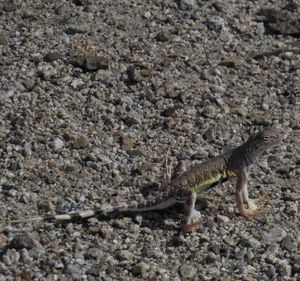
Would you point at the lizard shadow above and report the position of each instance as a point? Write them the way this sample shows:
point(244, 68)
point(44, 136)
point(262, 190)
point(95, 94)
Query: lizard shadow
point(168, 219)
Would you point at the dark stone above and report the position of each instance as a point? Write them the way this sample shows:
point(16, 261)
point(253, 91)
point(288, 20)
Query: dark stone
point(52, 56)
point(90, 62)
point(23, 240)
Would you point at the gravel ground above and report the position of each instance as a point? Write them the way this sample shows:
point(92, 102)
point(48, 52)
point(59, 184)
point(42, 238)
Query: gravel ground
point(93, 94)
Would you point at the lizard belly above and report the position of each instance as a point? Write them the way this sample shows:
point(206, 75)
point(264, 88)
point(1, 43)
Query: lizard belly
point(211, 182)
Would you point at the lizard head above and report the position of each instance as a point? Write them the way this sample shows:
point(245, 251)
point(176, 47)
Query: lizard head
point(267, 138)
point(258, 143)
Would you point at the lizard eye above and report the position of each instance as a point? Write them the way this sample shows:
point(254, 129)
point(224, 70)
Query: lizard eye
point(266, 138)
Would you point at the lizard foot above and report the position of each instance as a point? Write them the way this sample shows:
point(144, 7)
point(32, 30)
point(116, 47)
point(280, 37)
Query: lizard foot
point(189, 227)
point(251, 214)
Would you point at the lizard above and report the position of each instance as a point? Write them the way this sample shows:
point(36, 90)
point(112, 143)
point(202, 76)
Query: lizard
point(190, 183)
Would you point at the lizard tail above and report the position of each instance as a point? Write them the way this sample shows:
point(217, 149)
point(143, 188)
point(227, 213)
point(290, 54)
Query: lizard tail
point(106, 209)
point(77, 215)
point(132, 206)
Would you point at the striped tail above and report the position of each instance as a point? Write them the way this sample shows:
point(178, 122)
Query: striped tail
point(132, 206)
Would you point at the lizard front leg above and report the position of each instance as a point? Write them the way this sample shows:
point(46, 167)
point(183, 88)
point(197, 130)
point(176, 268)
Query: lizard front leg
point(241, 195)
point(250, 202)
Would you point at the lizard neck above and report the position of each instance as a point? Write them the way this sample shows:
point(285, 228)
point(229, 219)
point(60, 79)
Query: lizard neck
point(250, 152)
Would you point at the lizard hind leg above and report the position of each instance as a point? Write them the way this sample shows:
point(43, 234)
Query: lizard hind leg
point(189, 212)
point(169, 174)
point(179, 169)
